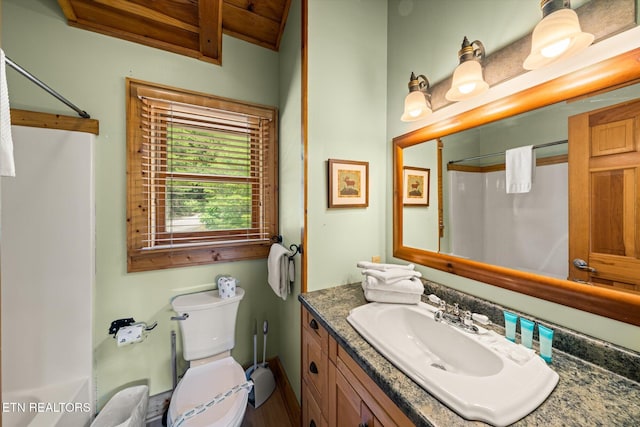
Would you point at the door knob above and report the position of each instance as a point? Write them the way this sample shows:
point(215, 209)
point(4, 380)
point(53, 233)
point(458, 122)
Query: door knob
point(581, 264)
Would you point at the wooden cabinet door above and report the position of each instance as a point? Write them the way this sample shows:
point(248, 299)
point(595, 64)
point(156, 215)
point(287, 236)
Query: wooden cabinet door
point(604, 196)
point(314, 367)
point(311, 412)
point(351, 410)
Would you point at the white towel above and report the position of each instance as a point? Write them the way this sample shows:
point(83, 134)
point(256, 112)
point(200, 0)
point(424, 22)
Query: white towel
point(392, 276)
point(382, 267)
point(374, 295)
point(7, 165)
point(281, 270)
point(406, 286)
point(519, 166)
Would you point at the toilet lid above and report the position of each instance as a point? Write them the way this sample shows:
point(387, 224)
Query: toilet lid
point(201, 384)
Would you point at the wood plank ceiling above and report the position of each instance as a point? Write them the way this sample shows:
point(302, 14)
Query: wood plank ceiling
point(187, 27)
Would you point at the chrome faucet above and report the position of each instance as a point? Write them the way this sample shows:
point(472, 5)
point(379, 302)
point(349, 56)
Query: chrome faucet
point(452, 315)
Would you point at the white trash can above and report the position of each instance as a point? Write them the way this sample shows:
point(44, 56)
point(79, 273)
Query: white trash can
point(127, 408)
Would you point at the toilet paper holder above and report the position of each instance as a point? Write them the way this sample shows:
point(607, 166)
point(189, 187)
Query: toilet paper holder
point(128, 321)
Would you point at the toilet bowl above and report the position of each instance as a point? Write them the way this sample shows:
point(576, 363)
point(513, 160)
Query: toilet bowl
point(207, 323)
point(200, 385)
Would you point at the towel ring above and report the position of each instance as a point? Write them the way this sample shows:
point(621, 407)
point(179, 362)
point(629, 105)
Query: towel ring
point(296, 249)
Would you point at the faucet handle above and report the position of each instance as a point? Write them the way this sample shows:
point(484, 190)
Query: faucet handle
point(466, 318)
point(456, 309)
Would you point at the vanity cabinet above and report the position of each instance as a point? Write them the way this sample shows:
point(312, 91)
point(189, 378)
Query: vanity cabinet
point(335, 390)
point(315, 374)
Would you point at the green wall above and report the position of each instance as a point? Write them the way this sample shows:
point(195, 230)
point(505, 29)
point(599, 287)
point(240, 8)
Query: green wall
point(291, 187)
point(90, 70)
point(347, 111)
point(424, 37)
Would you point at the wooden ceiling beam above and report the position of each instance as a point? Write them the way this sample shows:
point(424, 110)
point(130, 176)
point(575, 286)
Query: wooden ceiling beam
point(249, 26)
point(210, 18)
point(67, 9)
point(145, 12)
point(272, 9)
point(189, 27)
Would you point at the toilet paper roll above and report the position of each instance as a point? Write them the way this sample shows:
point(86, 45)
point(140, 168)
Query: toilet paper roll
point(227, 287)
point(129, 335)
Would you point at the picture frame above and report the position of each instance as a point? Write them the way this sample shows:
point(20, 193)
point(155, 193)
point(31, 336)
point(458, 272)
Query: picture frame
point(415, 186)
point(348, 184)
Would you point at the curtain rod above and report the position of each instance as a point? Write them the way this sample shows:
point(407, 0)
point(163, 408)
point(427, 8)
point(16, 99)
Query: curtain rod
point(548, 144)
point(35, 80)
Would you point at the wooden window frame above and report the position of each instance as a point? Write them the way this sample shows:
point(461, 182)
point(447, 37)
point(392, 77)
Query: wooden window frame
point(139, 218)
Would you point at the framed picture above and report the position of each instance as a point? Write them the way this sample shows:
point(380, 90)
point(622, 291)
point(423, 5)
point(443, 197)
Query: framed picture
point(348, 184)
point(415, 188)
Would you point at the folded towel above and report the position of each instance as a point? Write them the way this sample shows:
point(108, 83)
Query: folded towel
point(7, 165)
point(392, 276)
point(383, 267)
point(519, 166)
point(407, 286)
point(374, 295)
point(281, 271)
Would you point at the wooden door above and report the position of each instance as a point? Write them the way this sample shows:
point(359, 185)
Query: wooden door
point(604, 197)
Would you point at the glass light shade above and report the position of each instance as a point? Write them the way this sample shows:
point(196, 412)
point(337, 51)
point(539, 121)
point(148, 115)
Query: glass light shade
point(467, 81)
point(557, 36)
point(415, 107)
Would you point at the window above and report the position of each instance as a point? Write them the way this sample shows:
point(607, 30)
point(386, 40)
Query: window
point(201, 178)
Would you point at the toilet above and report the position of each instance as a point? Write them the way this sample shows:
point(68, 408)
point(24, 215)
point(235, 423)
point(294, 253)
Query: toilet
point(208, 325)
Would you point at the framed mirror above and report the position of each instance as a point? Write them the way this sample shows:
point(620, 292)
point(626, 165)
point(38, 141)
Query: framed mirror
point(432, 250)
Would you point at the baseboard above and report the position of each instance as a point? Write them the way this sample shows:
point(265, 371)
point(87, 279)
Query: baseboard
point(288, 395)
point(158, 403)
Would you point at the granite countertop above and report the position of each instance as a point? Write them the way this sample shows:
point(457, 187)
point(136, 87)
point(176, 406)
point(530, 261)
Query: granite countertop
point(586, 395)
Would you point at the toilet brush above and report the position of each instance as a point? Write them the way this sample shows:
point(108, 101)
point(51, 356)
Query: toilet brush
point(255, 346)
point(265, 330)
point(263, 381)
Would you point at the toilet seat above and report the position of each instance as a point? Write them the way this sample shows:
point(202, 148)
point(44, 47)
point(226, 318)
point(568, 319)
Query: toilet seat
point(201, 384)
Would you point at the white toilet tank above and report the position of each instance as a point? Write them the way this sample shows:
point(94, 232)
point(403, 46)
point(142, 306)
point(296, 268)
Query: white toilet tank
point(210, 326)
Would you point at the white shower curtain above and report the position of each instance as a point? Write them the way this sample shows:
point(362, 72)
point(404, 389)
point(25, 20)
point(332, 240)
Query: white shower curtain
point(528, 232)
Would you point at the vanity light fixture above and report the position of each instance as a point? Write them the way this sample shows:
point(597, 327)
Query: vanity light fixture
point(467, 79)
point(557, 36)
point(417, 104)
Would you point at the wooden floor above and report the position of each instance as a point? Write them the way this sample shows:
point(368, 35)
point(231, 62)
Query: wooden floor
point(280, 410)
point(272, 413)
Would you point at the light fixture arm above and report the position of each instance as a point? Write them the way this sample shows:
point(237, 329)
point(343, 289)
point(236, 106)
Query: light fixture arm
point(550, 6)
point(420, 83)
point(471, 51)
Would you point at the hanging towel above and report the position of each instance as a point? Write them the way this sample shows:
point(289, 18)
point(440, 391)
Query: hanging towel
point(281, 270)
point(519, 166)
point(7, 165)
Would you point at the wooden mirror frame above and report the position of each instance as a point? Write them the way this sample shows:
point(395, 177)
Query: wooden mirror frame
point(615, 72)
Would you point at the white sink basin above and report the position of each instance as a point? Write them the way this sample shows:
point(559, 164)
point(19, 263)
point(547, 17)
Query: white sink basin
point(480, 376)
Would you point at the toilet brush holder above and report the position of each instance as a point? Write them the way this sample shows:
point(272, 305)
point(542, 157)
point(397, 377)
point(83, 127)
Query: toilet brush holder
point(263, 384)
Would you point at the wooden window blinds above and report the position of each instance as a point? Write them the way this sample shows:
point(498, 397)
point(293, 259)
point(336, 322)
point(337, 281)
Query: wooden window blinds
point(202, 178)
